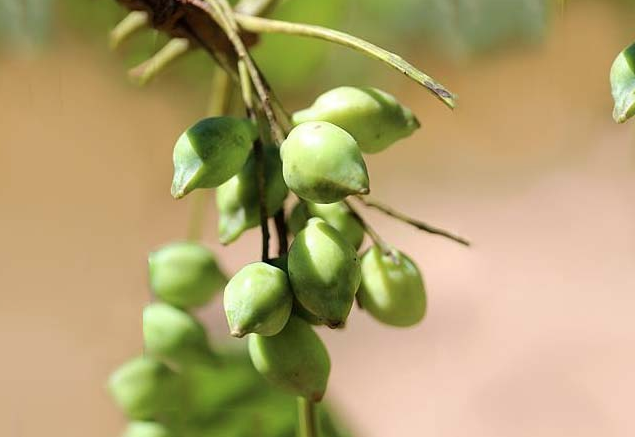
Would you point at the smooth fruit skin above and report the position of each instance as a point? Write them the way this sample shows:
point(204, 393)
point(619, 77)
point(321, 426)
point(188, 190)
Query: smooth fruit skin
point(237, 199)
point(392, 292)
point(324, 271)
point(184, 274)
point(173, 335)
point(622, 78)
point(258, 299)
point(373, 117)
point(335, 214)
point(295, 360)
point(322, 163)
point(143, 388)
point(210, 152)
point(146, 429)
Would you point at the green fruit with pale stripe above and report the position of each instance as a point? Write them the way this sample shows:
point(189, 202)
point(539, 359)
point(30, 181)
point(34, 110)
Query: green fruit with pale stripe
point(295, 360)
point(144, 388)
point(185, 274)
point(622, 78)
point(147, 429)
point(324, 271)
point(322, 163)
point(210, 152)
point(258, 299)
point(392, 288)
point(335, 214)
point(174, 335)
point(373, 117)
point(238, 201)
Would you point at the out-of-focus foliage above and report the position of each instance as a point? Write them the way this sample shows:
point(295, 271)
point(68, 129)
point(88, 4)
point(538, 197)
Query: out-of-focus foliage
point(24, 24)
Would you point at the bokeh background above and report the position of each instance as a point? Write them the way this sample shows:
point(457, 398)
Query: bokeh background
point(529, 333)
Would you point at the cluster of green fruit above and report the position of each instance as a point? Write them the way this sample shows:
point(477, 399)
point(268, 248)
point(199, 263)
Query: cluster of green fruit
point(179, 387)
point(317, 282)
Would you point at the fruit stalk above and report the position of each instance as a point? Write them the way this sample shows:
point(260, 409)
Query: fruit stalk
point(307, 418)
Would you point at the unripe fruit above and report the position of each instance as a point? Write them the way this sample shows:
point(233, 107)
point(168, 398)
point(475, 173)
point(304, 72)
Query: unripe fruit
point(146, 429)
point(295, 360)
point(623, 84)
point(373, 117)
point(392, 288)
point(237, 199)
point(144, 388)
point(335, 214)
point(324, 271)
point(174, 335)
point(322, 163)
point(258, 299)
point(184, 274)
point(210, 152)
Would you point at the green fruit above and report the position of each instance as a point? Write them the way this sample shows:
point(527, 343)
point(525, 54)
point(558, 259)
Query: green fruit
point(146, 429)
point(322, 163)
point(373, 117)
point(392, 289)
point(238, 201)
point(335, 214)
point(324, 271)
point(623, 84)
point(258, 299)
point(184, 274)
point(174, 335)
point(210, 152)
point(144, 388)
point(295, 360)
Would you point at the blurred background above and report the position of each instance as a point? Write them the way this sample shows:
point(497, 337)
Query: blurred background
point(528, 333)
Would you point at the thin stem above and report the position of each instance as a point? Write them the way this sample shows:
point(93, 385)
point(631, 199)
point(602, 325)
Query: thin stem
point(132, 23)
point(265, 25)
point(385, 248)
point(246, 88)
point(412, 221)
point(281, 230)
point(307, 418)
point(256, 7)
point(146, 71)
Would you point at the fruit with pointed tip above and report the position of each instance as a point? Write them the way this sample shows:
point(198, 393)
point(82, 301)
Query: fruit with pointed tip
point(392, 288)
point(174, 335)
point(622, 78)
point(295, 360)
point(324, 271)
point(144, 388)
point(258, 299)
point(322, 163)
point(335, 214)
point(210, 152)
point(373, 117)
point(238, 201)
point(184, 274)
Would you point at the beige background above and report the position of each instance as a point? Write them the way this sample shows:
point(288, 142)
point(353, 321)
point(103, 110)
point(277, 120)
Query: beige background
point(529, 333)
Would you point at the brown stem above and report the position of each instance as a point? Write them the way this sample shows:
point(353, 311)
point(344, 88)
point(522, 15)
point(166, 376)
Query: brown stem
point(282, 231)
point(385, 248)
point(412, 221)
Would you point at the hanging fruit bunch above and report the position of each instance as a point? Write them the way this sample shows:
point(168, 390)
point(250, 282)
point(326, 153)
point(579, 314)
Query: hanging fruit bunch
point(255, 163)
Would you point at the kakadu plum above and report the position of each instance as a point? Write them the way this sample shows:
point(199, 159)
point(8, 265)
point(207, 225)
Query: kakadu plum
point(237, 199)
point(324, 271)
point(210, 152)
point(174, 335)
point(623, 84)
point(258, 299)
point(373, 117)
point(295, 360)
point(322, 163)
point(392, 288)
point(184, 274)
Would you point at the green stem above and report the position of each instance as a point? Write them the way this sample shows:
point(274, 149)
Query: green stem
point(132, 23)
point(265, 25)
point(256, 7)
point(307, 418)
point(146, 71)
